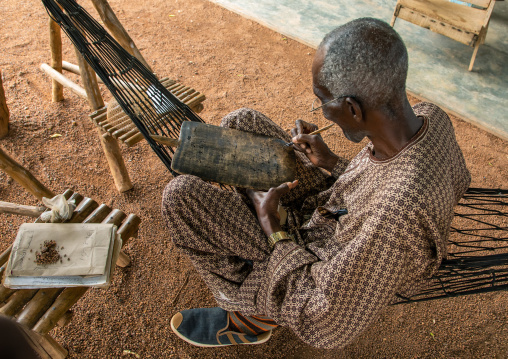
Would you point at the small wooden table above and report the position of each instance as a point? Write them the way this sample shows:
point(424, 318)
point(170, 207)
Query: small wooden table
point(39, 310)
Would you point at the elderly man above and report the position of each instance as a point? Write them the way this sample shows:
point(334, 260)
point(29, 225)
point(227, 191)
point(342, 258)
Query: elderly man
point(354, 235)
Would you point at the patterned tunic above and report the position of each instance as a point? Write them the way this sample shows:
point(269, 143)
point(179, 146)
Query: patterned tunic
point(371, 231)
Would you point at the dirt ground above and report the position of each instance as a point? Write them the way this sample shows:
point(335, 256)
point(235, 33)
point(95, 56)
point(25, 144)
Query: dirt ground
point(236, 63)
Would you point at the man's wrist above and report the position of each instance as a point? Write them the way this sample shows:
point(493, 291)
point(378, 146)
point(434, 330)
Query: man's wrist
point(331, 162)
point(270, 224)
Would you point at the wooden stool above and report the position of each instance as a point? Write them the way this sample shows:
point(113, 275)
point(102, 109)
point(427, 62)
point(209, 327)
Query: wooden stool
point(39, 310)
point(463, 23)
point(112, 119)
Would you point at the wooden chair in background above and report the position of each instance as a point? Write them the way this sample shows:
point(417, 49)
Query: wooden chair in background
point(466, 23)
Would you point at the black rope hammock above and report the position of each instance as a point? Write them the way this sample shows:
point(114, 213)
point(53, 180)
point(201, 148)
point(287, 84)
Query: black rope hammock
point(152, 108)
point(478, 251)
point(477, 260)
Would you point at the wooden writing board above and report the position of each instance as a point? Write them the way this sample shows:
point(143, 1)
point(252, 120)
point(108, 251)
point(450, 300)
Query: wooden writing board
point(233, 157)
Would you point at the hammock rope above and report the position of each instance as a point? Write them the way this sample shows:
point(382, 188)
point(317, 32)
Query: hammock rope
point(477, 259)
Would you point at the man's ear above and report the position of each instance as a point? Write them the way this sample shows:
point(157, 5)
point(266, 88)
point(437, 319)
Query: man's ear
point(355, 109)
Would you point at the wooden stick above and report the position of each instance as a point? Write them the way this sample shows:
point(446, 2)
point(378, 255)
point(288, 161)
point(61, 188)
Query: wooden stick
point(322, 129)
point(116, 217)
point(68, 193)
point(119, 33)
point(128, 134)
point(62, 304)
point(4, 291)
point(98, 215)
point(89, 83)
point(4, 257)
point(17, 301)
point(23, 177)
point(55, 43)
point(134, 139)
point(180, 289)
point(109, 144)
point(129, 228)
point(75, 69)
point(36, 308)
point(173, 142)
point(123, 260)
point(19, 209)
point(4, 111)
point(65, 319)
point(115, 161)
point(313, 133)
point(57, 76)
point(82, 211)
point(47, 347)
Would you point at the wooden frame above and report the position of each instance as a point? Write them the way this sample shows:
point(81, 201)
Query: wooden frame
point(466, 24)
point(91, 90)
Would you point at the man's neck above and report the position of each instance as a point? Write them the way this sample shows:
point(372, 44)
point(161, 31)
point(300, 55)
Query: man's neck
point(393, 133)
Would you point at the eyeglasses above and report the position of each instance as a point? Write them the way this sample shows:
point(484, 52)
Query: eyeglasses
point(317, 102)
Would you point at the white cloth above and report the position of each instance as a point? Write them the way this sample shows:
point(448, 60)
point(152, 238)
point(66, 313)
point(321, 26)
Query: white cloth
point(61, 209)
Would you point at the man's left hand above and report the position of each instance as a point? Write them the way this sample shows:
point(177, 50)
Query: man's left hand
point(266, 204)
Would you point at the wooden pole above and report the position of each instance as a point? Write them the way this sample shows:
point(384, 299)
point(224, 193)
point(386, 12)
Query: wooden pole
point(65, 319)
point(109, 144)
point(57, 76)
point(89, 83)
point(62, 304)
point(4, 257)
point(129, 228)
point(4, 111)
point(17, 301)
point(115, 160)
point(85, 208)
point(47, 347)
point(123, 260)
point(75, 69)
point(23, 177)
point(19, 209)
point(117, 30)
point(37, 306)
point(55, 43)
point(4, 291)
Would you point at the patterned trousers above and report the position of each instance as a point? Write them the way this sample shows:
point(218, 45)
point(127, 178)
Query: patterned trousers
point(218, 229)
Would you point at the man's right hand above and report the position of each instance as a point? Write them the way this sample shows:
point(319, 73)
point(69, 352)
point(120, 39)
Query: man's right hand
point(313, 146)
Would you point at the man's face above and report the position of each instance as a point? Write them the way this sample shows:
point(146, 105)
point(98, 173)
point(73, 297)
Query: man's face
point(337, 111)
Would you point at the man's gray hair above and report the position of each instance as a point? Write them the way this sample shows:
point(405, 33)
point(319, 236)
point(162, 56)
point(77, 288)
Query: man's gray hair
point(366, 59)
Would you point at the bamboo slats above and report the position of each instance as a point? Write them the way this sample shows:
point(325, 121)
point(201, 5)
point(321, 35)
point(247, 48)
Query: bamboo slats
point(119, 125)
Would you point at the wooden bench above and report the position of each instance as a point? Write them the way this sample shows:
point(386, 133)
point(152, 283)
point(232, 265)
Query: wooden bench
point(460, 22)
point(113, 120)
point(40, 310)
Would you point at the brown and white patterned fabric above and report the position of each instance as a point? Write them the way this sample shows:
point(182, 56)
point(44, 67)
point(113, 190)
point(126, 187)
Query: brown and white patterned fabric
point(369, 232)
